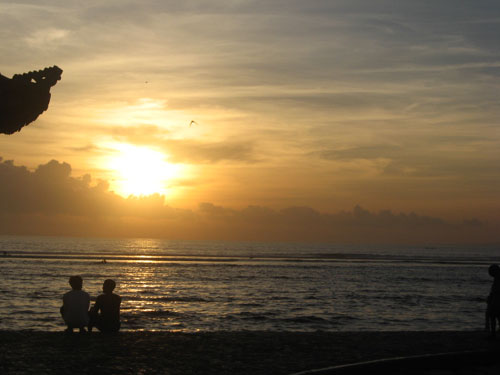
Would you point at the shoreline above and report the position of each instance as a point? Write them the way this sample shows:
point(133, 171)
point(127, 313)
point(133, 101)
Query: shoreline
point(241, 352)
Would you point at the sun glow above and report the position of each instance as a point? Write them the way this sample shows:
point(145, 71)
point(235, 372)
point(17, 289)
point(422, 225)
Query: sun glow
point(141, 170)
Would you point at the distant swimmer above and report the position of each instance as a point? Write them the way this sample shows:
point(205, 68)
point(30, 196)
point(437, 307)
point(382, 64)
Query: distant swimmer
point(193, 122)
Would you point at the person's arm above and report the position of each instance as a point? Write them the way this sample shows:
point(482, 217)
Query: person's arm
point(118, 304)
point(97, 305)
point(63, 305)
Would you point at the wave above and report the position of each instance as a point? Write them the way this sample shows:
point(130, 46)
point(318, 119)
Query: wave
point(312, 319)
point(153, 313)
point(166, 299)
point(304, 260)
point(159, 313)
point(274, 318)
point(40, 295)
point(111, 257)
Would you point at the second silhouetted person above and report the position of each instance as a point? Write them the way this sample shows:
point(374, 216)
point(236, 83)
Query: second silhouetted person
point(105, 315)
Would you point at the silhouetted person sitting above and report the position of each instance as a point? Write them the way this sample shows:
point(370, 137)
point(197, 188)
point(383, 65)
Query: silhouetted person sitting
point(105, 315)
point(75, 308)
point(493, 309)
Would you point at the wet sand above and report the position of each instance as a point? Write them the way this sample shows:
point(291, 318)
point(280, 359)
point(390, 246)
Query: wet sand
point(24, 352)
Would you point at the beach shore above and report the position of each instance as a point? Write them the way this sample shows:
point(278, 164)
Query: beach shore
point(25, 352)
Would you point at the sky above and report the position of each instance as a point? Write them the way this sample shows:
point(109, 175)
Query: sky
point(343, 121)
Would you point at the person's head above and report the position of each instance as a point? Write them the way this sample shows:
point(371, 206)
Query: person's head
point(494, 270)
point(76, 282)
point(108, 286)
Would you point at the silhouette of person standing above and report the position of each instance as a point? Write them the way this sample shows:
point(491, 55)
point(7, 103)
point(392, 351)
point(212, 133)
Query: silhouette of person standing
point(75, 308)
point(493, 309)
point(105, 315)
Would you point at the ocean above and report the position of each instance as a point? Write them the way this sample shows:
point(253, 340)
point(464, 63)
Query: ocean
point(193, 286)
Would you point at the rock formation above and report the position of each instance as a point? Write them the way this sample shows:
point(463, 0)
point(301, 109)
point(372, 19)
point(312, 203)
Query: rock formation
point(24, 97)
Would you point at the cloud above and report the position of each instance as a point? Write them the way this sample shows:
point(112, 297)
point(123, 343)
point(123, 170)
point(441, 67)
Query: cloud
point(84, 149)
point(442, 155)
point(186, 150)
point(51, 190)
point(48, 200)
point(302, 223)
point(363, 152)
point(47, 38)
point(195, 152)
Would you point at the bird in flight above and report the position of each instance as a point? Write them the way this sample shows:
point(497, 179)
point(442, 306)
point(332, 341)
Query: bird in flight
point(193, 122)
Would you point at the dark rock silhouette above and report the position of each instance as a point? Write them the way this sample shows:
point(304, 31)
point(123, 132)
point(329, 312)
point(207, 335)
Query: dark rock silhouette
point(24, 97)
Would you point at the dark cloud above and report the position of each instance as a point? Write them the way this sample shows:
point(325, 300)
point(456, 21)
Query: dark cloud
point(463, 157)
point(211, 209)
point(85, 149)
point(49, 200)
point(473, 223)
point(50, 189)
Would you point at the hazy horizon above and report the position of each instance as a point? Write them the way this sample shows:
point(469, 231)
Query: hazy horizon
point(338, 121)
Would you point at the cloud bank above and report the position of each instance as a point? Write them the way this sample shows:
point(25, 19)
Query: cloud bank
point(50, 201)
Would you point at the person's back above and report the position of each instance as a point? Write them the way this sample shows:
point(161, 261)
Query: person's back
point(106, 311)
point(76, 305)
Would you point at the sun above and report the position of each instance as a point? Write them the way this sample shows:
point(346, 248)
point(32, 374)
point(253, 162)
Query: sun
point(141, 170)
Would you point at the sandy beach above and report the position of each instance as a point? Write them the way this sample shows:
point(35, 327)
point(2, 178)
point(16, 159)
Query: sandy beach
point(25, 352)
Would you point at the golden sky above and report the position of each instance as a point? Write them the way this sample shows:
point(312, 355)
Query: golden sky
point(329, 107)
